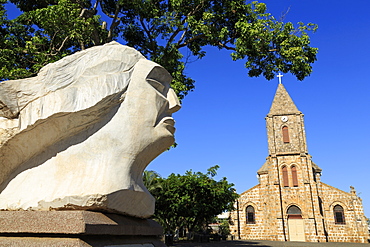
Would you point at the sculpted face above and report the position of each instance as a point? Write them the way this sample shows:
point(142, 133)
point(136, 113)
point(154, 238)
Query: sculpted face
point(146, 117)
point(150, 101)
point(100, 131)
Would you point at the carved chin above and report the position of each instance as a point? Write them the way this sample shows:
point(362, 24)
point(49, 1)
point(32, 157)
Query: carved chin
point(161, 144)
point(166, 135)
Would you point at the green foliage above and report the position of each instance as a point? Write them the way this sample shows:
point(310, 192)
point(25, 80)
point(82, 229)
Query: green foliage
point(151, 180)
point(44, 33)
point(163, 30)
point(192, 200)
point(224, 227)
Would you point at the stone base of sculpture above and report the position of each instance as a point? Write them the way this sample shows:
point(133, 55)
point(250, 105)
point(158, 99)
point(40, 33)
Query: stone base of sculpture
point(77, 228)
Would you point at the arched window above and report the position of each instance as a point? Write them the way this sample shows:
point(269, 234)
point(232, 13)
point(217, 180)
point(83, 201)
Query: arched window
point(294, 212)
point(339, 215)
point(294, 176)
point(250, 215)
point(285, 134)
point(285, 176)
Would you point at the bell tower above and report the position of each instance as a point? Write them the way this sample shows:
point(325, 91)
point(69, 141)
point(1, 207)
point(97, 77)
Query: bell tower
point(287, 144)
point(285, 126)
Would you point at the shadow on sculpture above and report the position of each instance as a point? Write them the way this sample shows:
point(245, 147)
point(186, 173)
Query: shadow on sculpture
point(80, 134)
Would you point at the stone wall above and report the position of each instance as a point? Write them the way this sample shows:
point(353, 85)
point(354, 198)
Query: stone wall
point(319, 222)
point(355, 228)
point(297, 137)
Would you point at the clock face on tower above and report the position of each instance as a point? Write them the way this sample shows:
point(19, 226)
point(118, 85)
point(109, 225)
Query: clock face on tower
point(284, 118)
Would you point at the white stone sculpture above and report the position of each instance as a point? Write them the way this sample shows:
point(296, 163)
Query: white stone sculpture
point(80, 133)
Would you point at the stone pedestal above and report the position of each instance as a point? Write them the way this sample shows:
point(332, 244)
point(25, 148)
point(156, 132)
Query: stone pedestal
point(77, 228)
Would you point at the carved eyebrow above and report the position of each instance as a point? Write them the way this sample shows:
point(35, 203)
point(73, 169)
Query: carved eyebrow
point(156, 84)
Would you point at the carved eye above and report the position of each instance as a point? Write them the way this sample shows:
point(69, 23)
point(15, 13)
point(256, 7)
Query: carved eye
point(156, 84)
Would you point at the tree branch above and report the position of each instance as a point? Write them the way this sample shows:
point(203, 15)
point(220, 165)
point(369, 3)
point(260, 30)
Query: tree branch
point(51, 46)
point(191, 40)
point(97, 2)
point(148, 33)
point(196, 8)
point(64, 41)
point(182, 37)
point(226, 47)
point(176, 33)
point(95, 37)
point(115, 22)
point(183, 23)
point(282, 17)
point(82, 45)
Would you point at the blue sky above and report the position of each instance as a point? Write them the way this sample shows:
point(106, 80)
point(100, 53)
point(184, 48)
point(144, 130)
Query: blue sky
point(222, 121)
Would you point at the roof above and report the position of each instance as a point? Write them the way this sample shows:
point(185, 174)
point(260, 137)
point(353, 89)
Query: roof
point(283, 103)
point(316, 167)
point(263, 169)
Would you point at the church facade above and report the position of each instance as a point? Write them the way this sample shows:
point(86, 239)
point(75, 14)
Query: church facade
point(290, 203)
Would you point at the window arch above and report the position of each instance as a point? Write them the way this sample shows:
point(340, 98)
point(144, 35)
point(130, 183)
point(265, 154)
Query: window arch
point(294, 212)
point(285, 131)
point(250, 215)
point(285, 176)
point(294, 176)
point(339, 215)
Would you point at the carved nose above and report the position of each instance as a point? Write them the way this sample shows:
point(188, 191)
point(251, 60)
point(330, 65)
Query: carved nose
point(174, 103)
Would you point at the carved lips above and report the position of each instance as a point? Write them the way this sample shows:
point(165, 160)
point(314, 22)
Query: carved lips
point(169, 123)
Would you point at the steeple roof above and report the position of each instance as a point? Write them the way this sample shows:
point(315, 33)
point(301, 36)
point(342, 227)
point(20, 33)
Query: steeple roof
point(282, 104)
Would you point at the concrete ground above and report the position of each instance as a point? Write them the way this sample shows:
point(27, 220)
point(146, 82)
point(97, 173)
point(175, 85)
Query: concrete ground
point(265, 243)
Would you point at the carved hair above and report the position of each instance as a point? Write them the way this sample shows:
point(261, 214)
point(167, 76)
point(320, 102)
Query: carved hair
point(98, 76)
point(87, 70)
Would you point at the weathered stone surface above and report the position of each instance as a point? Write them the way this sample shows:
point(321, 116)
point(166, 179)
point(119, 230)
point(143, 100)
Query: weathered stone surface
point(42, 242)
point(80, 241)
point(80, 133)
point(76, 222)
point(283, 103)
point(77, 228)
point(272, 198)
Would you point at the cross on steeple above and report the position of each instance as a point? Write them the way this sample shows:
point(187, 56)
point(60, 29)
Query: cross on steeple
point(279, 75)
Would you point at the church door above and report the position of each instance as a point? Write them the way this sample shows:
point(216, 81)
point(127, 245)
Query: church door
point(295, 224)
point(296, 230)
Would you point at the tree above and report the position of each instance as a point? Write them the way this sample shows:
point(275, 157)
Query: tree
point(192, 200)
point(151, 180)
point(163, 30)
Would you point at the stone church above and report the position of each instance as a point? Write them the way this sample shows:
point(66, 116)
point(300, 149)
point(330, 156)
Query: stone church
point(290, 203)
